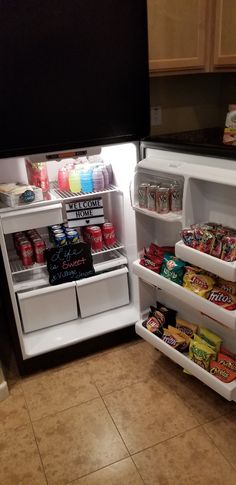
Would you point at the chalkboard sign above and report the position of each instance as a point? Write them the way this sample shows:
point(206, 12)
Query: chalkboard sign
point(69, 263)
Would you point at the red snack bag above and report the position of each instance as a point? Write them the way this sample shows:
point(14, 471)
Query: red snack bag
point(228, 286)
point(207, 242)
point(227, 361)
point(153, 257)
point(188, 237)
point(229, 248)
point(222, 298)
point(217, 246)
point(221, 372)
point(225, 351)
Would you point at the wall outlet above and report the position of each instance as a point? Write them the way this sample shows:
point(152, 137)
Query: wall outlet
point(156, 115)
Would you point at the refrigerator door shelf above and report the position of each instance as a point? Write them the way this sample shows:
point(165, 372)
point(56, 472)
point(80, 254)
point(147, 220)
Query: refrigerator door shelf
point(225, 317)
point(25, 219)
point(228, 391)
point(169, 217)
point(217, 266)
point(48, 306)
point(103, 292)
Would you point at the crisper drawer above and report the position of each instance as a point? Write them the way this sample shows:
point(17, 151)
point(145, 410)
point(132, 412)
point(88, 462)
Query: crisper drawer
point(22, 220)
point(49, 306)
point(103, 292)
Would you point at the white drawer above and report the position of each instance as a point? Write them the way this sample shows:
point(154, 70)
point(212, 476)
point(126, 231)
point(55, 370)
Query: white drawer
point(103, 292)
point(22, 220)
point(48, 306)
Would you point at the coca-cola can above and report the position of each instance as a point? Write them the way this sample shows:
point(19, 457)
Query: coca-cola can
point(108, 234)
point(95, 233)
point(39, 251)
point(26, 253)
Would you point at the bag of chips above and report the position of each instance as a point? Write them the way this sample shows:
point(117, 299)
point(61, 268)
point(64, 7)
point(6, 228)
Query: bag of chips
point(182, 347)
point(228, 286)
point(171, 339)
point(154, 326)
point(173, 268)
point(223, 299)
point(210, 338)
point(223, 373)
point(169, 314)
point(200, 340)
point(198, 282)
point(201, 354)
point(153, 257)
point(227, 361)
point(186, 327)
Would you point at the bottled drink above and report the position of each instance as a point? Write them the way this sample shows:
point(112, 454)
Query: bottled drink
point(74, 181)
point(98, 179)
point(106, 176)
point(109, 171)
point(63, 179)
point(86, 179)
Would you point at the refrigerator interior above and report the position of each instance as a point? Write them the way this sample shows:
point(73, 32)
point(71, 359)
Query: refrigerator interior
point(76, 311)
point(209, 194)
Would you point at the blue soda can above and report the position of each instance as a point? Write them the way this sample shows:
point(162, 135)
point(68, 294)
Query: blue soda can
point(60, 239)
point(72, 237)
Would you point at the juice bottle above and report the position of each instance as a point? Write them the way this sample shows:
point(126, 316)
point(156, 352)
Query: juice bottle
point(63, 179)
point(74, 181)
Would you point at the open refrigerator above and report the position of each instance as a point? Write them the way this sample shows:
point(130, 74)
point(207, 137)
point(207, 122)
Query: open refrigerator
point(48, 318)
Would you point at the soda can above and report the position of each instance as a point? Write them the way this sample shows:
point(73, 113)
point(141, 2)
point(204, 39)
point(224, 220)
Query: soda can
point(55, 226)
point(142, 195)
point(26, 253)
point(108, 233)
point(151, 197)
point(39, 251)
point(163, 200)
point(176, 198)
point(60, 239)
point(95, 233)
point(57, 231)
point(72, 237)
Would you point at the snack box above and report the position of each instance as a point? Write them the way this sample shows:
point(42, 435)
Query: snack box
point(14, 195)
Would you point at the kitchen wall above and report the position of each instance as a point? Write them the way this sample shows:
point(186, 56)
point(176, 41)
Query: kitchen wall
point(191, 101)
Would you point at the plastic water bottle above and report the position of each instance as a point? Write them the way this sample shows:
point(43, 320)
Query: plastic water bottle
point(105, 175)
point(86, 179)
point(74, 181)
point(98, 179)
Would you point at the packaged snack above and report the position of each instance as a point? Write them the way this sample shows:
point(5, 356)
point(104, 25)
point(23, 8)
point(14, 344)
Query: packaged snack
point(222, 298)
point(201, 354)
point(186, 327)
point(228, 248)
point(154, 326)
point(211, 338)
point(221, 372)
point(153, 257)
point(168, 314)
point(199, 283)
point(188, 237)
point(206, 242)
point(228, 286)
point(225, 351)
point(182, 347)
point(200, 340)
point(173, 268)
point(227, 361)
point(217, 246)
point(229, 137)
point(171, 339)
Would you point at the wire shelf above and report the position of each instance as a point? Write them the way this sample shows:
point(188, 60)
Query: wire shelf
point(67, 194)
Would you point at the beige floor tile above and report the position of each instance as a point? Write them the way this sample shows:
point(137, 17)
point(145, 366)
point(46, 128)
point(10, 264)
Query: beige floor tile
point(204, 403)
point(78, 441)
point(122, 368)
point(19, 458)
point(223, 433)
point(147, 413)
point(13, 412)
point(122, 473)
point(189, 459)
point(54, 391)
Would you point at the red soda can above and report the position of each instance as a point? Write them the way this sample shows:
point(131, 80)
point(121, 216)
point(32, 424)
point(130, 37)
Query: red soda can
point(26, 252)
point(39, 251)
point(87, 234)
point(108, 234)
point(96, 238)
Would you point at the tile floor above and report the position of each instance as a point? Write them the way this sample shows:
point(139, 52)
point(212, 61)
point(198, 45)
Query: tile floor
point(127, 416)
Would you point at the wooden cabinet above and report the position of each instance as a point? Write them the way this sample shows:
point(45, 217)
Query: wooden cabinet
point(177, 34)
point(225, 34)
point(191, 35)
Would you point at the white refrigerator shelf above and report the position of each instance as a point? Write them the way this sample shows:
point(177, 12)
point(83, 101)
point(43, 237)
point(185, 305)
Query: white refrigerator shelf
point(227, 390)
point(68, 195)
point(217, 266)
point(225, 317)
point(169, 217)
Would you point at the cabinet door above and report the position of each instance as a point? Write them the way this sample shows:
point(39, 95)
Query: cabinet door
point(225, 34)
point(177, 34)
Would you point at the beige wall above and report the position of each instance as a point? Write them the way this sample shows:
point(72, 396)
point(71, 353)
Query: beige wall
point(189, 101)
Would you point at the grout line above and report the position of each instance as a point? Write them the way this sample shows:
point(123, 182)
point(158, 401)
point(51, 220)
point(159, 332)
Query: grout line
point(40, 457)
point(213, 442)
point(98, 469)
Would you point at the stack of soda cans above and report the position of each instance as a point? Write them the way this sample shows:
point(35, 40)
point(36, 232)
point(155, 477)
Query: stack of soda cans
point(61, 235)
point(30, 247)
